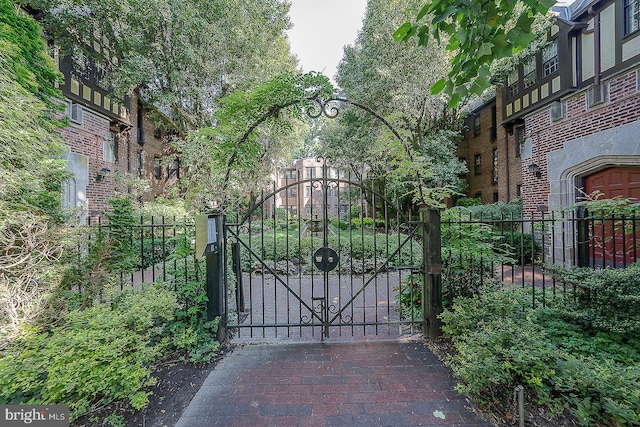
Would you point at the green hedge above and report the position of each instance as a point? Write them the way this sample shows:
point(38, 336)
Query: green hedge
point(501, 343)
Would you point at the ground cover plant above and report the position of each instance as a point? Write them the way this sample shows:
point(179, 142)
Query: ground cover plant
point(568, 360)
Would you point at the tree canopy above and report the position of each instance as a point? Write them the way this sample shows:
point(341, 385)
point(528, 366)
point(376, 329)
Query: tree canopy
point(393, 80)
point(478, 32)
point(180, 56)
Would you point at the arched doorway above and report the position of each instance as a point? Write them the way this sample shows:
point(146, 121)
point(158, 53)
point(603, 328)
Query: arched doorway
point(613, 238)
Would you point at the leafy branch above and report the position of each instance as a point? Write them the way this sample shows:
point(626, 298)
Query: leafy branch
point(479, 32)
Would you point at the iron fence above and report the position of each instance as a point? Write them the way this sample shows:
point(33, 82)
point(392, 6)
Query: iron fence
point(517, 250)
point(147, 249)
point(475, 250)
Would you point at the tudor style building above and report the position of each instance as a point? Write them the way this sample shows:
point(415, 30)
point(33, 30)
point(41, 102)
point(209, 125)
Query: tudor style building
point(572, 111)
point(107, 136)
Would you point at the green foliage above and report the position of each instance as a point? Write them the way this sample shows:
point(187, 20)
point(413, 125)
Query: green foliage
point(498, 210)
point(25, 58)
point(606, 300)
point(95, 356)
point(167, 209)
point(231, 159)
point(521, 247)
point(409, 297)
point(478, 33)
point(397, 131)
point(31, 171)
point(470, 249)
point(191, 330)
point(101, 252)
point(358, 249)
point(368, 222)
point(500, 343)
point(469, 201)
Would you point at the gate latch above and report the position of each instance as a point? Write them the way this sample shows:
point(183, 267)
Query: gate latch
point(325, 259)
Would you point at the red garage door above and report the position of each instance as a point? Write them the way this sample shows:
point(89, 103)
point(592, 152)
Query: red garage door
point(614, 241)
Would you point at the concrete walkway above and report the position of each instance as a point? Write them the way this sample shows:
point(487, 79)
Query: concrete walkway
point(358, 383)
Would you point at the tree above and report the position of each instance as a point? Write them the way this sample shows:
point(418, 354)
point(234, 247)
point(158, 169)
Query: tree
point(415, 154)
point(31, 170)
point(180, 56)
point(479, 32)
point(253, 131)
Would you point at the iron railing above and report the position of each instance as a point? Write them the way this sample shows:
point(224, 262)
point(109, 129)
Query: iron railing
point(516, 250)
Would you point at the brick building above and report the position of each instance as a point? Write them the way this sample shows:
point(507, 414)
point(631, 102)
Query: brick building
point(108, 136)
point(573, 109)
point(494, 171)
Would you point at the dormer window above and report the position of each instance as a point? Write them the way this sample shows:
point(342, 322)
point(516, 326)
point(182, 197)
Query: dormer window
point(631, 16)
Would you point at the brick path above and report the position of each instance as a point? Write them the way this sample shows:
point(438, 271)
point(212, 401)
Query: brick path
point(359, 383)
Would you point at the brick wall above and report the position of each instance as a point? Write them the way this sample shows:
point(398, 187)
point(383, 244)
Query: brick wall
point(621, 107)
point(88, 139)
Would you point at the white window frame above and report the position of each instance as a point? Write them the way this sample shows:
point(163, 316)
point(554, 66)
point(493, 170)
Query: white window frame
point(109, 148)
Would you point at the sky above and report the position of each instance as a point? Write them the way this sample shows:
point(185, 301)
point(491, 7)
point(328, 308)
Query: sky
point(320, 30)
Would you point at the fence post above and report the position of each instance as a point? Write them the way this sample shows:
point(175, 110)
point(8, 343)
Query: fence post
point(583, 237)
point(431, 272)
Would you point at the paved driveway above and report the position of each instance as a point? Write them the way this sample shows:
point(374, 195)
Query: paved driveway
point(396, 382)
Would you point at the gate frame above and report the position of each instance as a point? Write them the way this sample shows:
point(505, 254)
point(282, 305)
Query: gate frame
point(430, 236)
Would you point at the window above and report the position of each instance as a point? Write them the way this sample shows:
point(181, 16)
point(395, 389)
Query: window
point(495, 197)
point(75, 113)
point(140, 134)
point(69, 194)
point(174, 169)
point(494, 166)
point(512, 83)
point(109, 151)
point(477, 164)
point(519, 140)
point(550, 59)
point(310, 172)
point(519, 190)
point(631, 16)
point(530, 77)
point(307, 191)
point(157, 168)
point(476, 125)
point(494, 124)
point(139, 165)
point(292, 192)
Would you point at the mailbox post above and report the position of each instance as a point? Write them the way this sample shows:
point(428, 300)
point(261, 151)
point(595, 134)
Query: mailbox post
point(210, 244)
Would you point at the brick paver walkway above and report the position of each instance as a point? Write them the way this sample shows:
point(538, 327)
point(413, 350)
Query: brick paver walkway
point(360, 383)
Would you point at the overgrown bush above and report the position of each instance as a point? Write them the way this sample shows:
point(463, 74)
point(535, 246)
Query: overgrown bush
point(501, 342)
point(96, 355)
point(606, 299)
point(470, 250)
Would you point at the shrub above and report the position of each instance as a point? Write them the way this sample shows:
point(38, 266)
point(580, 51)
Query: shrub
point(500, 343)
point(469, 252)
point(607, 300)
point(95, 356)
point(409, 297)
point(521, 247)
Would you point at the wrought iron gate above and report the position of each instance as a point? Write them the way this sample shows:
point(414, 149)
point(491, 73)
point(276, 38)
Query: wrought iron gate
point(323, 255)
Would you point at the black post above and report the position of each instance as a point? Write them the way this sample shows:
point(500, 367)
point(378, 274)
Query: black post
point(431, 272)
point(583, 237)
point(237, 269)
point(215, 283)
